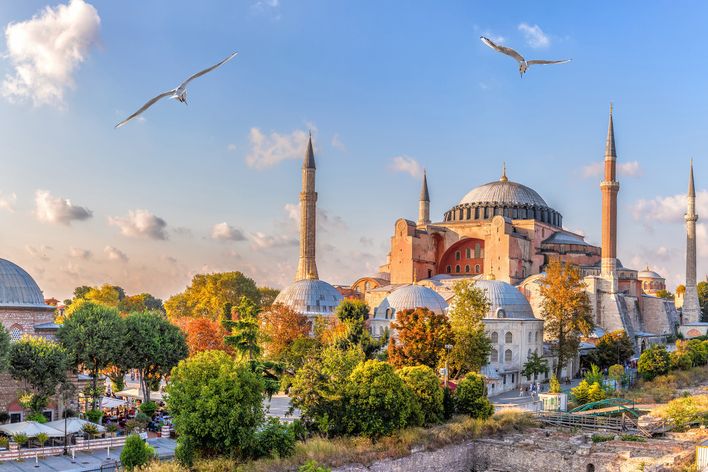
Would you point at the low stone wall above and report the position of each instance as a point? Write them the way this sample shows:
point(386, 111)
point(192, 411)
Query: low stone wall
point(558, 452)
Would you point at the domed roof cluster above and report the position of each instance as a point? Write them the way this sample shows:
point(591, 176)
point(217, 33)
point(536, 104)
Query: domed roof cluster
point(310, 297)
point(506, 300)
point(410, 297)
point(648, 274)
point(17, 288)
point(503, 197)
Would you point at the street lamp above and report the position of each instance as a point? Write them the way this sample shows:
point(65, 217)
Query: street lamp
point(448, 347)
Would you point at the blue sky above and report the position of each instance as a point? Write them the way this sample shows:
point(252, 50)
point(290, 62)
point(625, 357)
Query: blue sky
point(375, 81)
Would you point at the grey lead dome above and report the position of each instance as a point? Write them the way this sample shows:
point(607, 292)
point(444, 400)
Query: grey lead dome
point(310, 297)
point(503, 191)
point(17, 288)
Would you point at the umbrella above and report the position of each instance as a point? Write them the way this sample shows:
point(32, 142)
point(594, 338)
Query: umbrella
point(136, 393)
point(31, 429)
point(73, 425)
point(110, 402)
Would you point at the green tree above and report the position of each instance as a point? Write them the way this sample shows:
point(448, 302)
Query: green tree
point(426, 389)
point(377, 401)
point(318, 388)
point(698, 350)
point(581, 392)
point(244, 334)
point(140, 302)
point(534, 366)
point(665, 294)
point(208, 293)
point(653, 362)
point(421, 336)
point(702, 289)
point(42, 364)
point(612, 348)
point(135, 453)
point(92, 336)
point(4, 349)
point(80, 292)
point(554, 385)
point(106, 294)
point(153, 346)
point(471, 398)
point(596, 392)
point(566, 310)
point(216, 405)
point(471, 346)
point(353, 314)
point(267, 296)
point(616, 373)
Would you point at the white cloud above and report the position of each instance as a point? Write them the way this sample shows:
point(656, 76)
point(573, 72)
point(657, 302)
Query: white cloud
point(115, 254)
point(140, 224)
point(78, 253)
point(266, 241)
point(51, 209)
point(46, 50)
point(231, 147)
point(225, 232)
point(39, 252)
point(7, 202)
point(535, 37)
point(668, 209)
point(269, 150)
point(407, 165)
point(337, 142)
point(626, 169)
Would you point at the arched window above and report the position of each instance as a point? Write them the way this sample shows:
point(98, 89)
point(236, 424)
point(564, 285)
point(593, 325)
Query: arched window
point(449, 269)
point(494, 356)
point(457, 255)
point(457, 268)
point(467, 269)
point(508, 337)
point(530, 337)
point(501, 313)
point(495, 337)
point(477, 249)
point(389, 313)
point(538, 336)
point(476, 269)
point(507, 355)
point(468, 253)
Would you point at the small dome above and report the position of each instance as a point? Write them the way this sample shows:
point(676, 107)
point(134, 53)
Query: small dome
point(648, 274)
point(410, 297)
point(506, 300)
point(504, 191)
point(17, 288)
point(310, 297)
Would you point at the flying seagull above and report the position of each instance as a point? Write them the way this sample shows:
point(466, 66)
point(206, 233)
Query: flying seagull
point(178, 93)
point(523, 63)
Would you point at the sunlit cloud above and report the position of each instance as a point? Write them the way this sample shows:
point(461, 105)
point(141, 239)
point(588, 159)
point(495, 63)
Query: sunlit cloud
point(51, 209)
point(115, 254)
point(140, 224)
point(268, 150)
point(534, 35)
point(407, 165)
point(78, 253)
point(225, 232)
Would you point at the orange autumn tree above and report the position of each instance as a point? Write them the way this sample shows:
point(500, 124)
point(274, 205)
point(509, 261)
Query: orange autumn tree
point(420, 338)
point(280, 326)
point(203, 334)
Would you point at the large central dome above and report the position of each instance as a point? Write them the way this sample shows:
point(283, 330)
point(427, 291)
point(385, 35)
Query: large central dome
point(503, 191)
point(508, 199)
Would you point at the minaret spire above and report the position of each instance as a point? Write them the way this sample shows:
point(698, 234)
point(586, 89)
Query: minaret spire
point(691, 306)
point(424, 203)
point(610, 187)
point(307, 266)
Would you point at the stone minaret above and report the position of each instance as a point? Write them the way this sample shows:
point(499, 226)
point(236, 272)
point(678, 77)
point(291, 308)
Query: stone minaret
point(691, 307)
point(610, 186)
point(306, 266)
point(424, 203)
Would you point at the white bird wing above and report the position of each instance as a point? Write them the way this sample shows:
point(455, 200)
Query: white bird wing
point(208, 69)
point(541, 61)
point(150, 103)
point(502, 49)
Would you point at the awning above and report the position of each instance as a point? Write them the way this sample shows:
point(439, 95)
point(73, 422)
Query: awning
point(136, 393)
point(73, 425)
point(110, 402)
point(31, 429)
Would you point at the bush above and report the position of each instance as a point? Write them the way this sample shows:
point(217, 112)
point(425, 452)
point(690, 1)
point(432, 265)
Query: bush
point(216, 405)
point(36, 416)
point(20, 438)
point(685, 411)
point(580, 393)
point(554, 385)
point(142, 418)
point(596, 392)
point(598, 438)
point(148, 408)
point(90, 429)
point(4, 442)
point(632, 437)
point(112, 428)
point(681, 360)
point(135, 453)
point(274, 439)
point(377, 400)
point(94, 416)
point(471, 399)
point(42, 439)
point(653, 362)
point(425, 386)
point(616, 373)
point(312, 466)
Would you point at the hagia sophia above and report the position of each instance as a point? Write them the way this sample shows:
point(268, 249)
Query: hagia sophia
point(503, 234)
